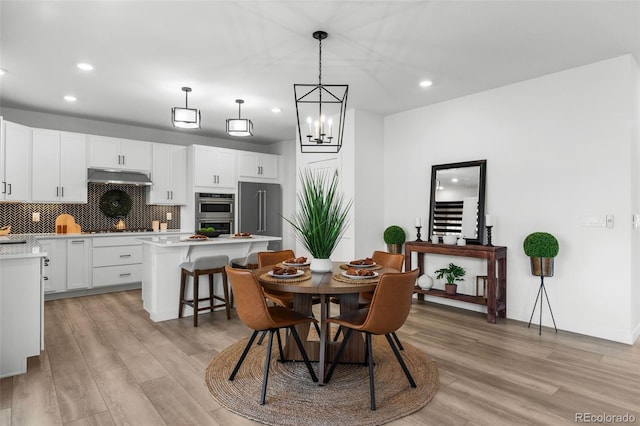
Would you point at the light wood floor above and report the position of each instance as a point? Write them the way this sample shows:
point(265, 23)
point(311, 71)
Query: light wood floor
point(106, 363)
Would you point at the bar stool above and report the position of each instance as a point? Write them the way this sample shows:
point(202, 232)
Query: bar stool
point(206, 265)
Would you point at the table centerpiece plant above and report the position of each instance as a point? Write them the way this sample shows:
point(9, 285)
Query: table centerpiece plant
point(322, 216)
point(452, 273)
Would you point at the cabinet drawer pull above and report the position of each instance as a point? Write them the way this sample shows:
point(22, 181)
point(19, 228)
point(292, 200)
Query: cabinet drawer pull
point(4, 187)
point(128, 274)
point(45, 278)
point(9, 189)
point(77, 242)
point(125, 255)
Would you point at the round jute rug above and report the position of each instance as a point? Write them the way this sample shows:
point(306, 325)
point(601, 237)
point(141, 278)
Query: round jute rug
point(293, 399)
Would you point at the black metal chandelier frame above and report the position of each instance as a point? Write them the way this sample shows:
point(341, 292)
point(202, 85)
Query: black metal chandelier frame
point(328, 100)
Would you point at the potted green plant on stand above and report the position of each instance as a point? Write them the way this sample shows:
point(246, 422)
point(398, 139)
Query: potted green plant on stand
point(322, 216)
point(452, 273)
point(394, 236)
point(542, 248)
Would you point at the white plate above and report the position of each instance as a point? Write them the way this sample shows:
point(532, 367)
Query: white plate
point(361, 266)
point(358, 277)
point(297, 274)
point(296, 264)
point(195, 239)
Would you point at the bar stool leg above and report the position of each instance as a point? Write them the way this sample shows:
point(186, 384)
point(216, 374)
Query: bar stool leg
point(225, 288)
point(211, 292)
point(183, 281)
point(196, 285)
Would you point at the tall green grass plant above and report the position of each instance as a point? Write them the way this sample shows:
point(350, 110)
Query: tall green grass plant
point(323, 213)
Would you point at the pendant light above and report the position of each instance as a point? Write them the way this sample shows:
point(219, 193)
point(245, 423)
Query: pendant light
point(185, 118)
point(239, 126)
point(320, 111)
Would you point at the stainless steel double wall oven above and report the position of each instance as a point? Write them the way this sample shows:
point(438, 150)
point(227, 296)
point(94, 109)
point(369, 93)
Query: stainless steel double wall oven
point(216, 211)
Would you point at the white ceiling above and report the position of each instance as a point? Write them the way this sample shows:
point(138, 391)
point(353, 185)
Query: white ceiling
point(145, 51)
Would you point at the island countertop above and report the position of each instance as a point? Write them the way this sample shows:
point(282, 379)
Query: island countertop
point(20, 246)
point(181, 240)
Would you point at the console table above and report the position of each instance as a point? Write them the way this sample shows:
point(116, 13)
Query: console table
point(496, 257)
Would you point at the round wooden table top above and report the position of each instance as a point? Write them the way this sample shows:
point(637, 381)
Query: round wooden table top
point(320, 282)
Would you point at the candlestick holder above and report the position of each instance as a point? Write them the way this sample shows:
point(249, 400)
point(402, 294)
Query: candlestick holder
point(418, 233)
point(489, 236)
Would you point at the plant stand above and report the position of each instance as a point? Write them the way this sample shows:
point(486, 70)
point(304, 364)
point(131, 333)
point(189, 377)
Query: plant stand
point(540, 291)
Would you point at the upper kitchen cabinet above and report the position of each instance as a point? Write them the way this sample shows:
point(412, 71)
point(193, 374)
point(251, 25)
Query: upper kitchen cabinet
point(258, 166)
point(168, 173)
point(116, 153)
point(59, 167)
point(15, 162)
point(214, 167)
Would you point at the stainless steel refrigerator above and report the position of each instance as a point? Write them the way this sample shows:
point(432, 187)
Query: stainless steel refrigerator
point(259, 210)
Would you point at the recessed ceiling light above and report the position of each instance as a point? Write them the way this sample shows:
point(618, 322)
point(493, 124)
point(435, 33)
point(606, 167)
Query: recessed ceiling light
point(425, 83)
point(70, 98)
point(3, 71)
point(84, 66)
point(275, 110)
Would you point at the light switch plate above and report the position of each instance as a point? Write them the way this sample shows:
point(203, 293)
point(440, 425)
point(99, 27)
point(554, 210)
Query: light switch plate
point(598, 221)
point(169, 216)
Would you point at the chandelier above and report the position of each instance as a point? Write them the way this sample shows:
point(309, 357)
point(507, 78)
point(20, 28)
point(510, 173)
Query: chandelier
point(239, 126)
point(320, 111)
point(185, 118)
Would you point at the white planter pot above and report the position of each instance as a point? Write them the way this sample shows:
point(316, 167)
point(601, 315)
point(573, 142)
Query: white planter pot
point(321, 265)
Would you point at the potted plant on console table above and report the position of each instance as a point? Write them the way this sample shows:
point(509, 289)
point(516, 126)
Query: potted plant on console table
point(322, 216)
point(452, 274)
point(394, 236)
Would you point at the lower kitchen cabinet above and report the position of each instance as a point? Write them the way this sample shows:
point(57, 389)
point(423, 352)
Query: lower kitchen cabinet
point(78, 263)
point(116, 261)
point(54, 269)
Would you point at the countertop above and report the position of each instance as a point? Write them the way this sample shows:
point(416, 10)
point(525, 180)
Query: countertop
point(177, 240)
point(30, 247)
point(109, 234)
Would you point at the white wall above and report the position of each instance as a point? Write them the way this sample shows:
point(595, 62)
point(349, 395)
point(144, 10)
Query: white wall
point(558, 147)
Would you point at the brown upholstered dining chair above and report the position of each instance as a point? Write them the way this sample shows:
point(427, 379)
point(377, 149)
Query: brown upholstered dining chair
point(253, 311)
point(386, 260)
point(388, 311)
point(282, 298)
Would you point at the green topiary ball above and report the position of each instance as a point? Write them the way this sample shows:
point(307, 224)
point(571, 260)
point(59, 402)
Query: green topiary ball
point(541, 244)
point(394, 235)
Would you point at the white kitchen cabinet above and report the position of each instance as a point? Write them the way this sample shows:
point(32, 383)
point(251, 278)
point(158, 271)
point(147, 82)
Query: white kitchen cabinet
point(59, 167)
point(168, 173)
point(256, 165)
point(15, 162)
point(54, 272)
point(119, 154)
point(214, 167)
point(78, 263)
point(21, 313)
point(116, 261)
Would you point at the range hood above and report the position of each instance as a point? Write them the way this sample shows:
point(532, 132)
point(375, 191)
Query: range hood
point(118, 177)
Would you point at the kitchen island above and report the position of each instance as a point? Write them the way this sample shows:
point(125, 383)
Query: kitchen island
point(161, 259)
point(21, 303)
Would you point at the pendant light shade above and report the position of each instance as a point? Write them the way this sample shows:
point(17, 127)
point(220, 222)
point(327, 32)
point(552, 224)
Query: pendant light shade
point(320, 111)
point(239, 126)
point(185, 118)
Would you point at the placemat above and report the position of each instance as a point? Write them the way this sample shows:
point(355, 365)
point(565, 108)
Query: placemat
point(268, 278)
point(373, 268)
point(340, 277)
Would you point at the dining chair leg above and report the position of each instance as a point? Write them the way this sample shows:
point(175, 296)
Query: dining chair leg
point(267, 363)
point(282, 359)
point(335, 336)
point(183, 284)
point(395, 337)
point(372, 391)
point(262, 336)
point(402, 364)
point(304, 353)
point(244, 355)
point(317, 328)
point(334, 363)
point(225, 290)
point(211, 293)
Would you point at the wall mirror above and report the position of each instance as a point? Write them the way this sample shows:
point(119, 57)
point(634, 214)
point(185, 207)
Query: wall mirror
point(457, 200)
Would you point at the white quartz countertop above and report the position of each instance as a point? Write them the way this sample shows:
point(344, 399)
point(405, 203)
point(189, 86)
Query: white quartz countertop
point(27, 246)
point(182, 240)
point(134, 234)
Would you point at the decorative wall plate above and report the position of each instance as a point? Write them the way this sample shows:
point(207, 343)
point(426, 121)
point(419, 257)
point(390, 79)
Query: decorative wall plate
point(115, 203)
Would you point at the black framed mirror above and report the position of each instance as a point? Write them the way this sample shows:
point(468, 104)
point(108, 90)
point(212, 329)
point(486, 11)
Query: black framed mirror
point(457, 200)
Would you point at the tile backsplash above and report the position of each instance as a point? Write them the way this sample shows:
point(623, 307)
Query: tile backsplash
point(89, 216)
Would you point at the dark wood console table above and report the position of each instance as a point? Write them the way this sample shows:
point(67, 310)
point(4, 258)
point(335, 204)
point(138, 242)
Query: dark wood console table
point(496, 300)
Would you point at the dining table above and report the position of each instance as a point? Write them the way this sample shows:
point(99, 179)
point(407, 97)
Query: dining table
point(307, 285)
